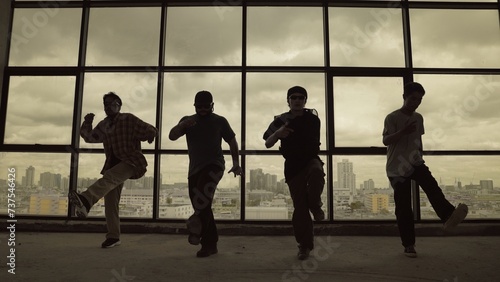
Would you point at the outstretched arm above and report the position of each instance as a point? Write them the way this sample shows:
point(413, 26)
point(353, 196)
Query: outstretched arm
point(233, 147)
point(180, 129)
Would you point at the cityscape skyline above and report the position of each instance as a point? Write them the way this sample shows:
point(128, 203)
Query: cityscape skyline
point(344, 177)
point(267, 196)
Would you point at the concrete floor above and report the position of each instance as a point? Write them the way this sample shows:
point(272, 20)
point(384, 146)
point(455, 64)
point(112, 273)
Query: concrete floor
point(43, 256)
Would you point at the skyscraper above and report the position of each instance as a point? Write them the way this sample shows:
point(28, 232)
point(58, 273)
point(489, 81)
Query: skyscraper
point(30, 176)
point(256, 179)
point(369, 184)
point(345, 175)
point(486, 184)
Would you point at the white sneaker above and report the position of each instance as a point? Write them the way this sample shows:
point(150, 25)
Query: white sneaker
point(80, 209)
point(456, 217)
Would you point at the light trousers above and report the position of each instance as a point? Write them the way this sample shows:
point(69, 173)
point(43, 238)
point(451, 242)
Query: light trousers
point(110, 187)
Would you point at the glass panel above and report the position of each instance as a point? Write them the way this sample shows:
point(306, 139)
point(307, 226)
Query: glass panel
point(266, 97)
point(460, 112)
point(136, 90)
point(137, 194)
point(473, 180)
point(45, 37)
point(41, 183)
point(203, 36)
point(123, 37)
point(361, 189)
point(366, 37)
point(285, 36)
point(178, 101)
point(40, 110)
point(360, 107)
point(267, 194)
point(467, 38)
point(174, 193)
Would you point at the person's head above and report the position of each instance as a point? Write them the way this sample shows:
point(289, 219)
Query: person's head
point(296, 98)
point(413, 93)
point(112, 104)
point(204, 103)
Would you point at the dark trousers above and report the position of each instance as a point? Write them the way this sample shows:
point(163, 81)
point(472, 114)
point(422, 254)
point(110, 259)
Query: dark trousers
point(202, 187)
point(305, 189)
point(402, 200)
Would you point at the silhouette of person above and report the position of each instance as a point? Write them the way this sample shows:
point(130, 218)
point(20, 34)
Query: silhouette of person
point(204, 133)
point(121, 135)
point(402, 134)
point(298, 130)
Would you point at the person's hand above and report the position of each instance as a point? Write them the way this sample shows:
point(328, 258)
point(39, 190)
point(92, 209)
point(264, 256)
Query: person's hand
point(236, 169)
point(187, 123)
point(409, 128)
point(283, 131)
point(89, 117)
point(153, 133)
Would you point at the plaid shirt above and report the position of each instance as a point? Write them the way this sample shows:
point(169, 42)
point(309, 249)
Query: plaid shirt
point(121, 137)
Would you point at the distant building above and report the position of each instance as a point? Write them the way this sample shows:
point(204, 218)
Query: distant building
point(29, 177)
point(345, 175)
point(486, 184)
point(48, 204)
point(377, 203)
point(369, 184)
point(267, 213)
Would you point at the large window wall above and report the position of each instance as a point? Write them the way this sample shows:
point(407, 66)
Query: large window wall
point(353, 57)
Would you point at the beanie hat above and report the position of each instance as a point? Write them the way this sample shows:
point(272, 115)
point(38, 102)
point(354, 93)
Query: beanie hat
point(203, 97)
point(296, 89)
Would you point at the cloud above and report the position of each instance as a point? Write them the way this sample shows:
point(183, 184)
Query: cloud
point(197, 36)
point(278, 36)
point(42, 38)
point(123, 36)
point(285, 36)
point(455, 38)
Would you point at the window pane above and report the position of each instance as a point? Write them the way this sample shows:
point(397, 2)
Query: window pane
point(360, 107)
point(45, 37)
point(473, 180)
point(174, 193)
point(178, 101)
point(136, 90)
point(366, 37)
point(464, 39)
point(285, 36)
point(266, 98)
point(460, 112)
point(40, 110)
point(137, 194)
point(361, 189)
point(123, 37)
point(41, 183)
point(267, 194)
point(203, 36)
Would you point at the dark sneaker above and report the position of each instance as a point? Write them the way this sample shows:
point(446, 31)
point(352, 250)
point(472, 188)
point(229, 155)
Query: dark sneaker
point(79, 203)
point(456, 217)
point(303, 253)
point(110, 243)
point(194, 227)
point(206, 251)
point(318, 214)
point(410, 252)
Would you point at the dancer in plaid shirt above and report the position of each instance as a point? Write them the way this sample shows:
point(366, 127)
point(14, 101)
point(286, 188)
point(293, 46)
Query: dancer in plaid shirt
point(121, 135)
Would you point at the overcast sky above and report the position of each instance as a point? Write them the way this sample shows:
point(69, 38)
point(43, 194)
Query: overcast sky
point(460, 111)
